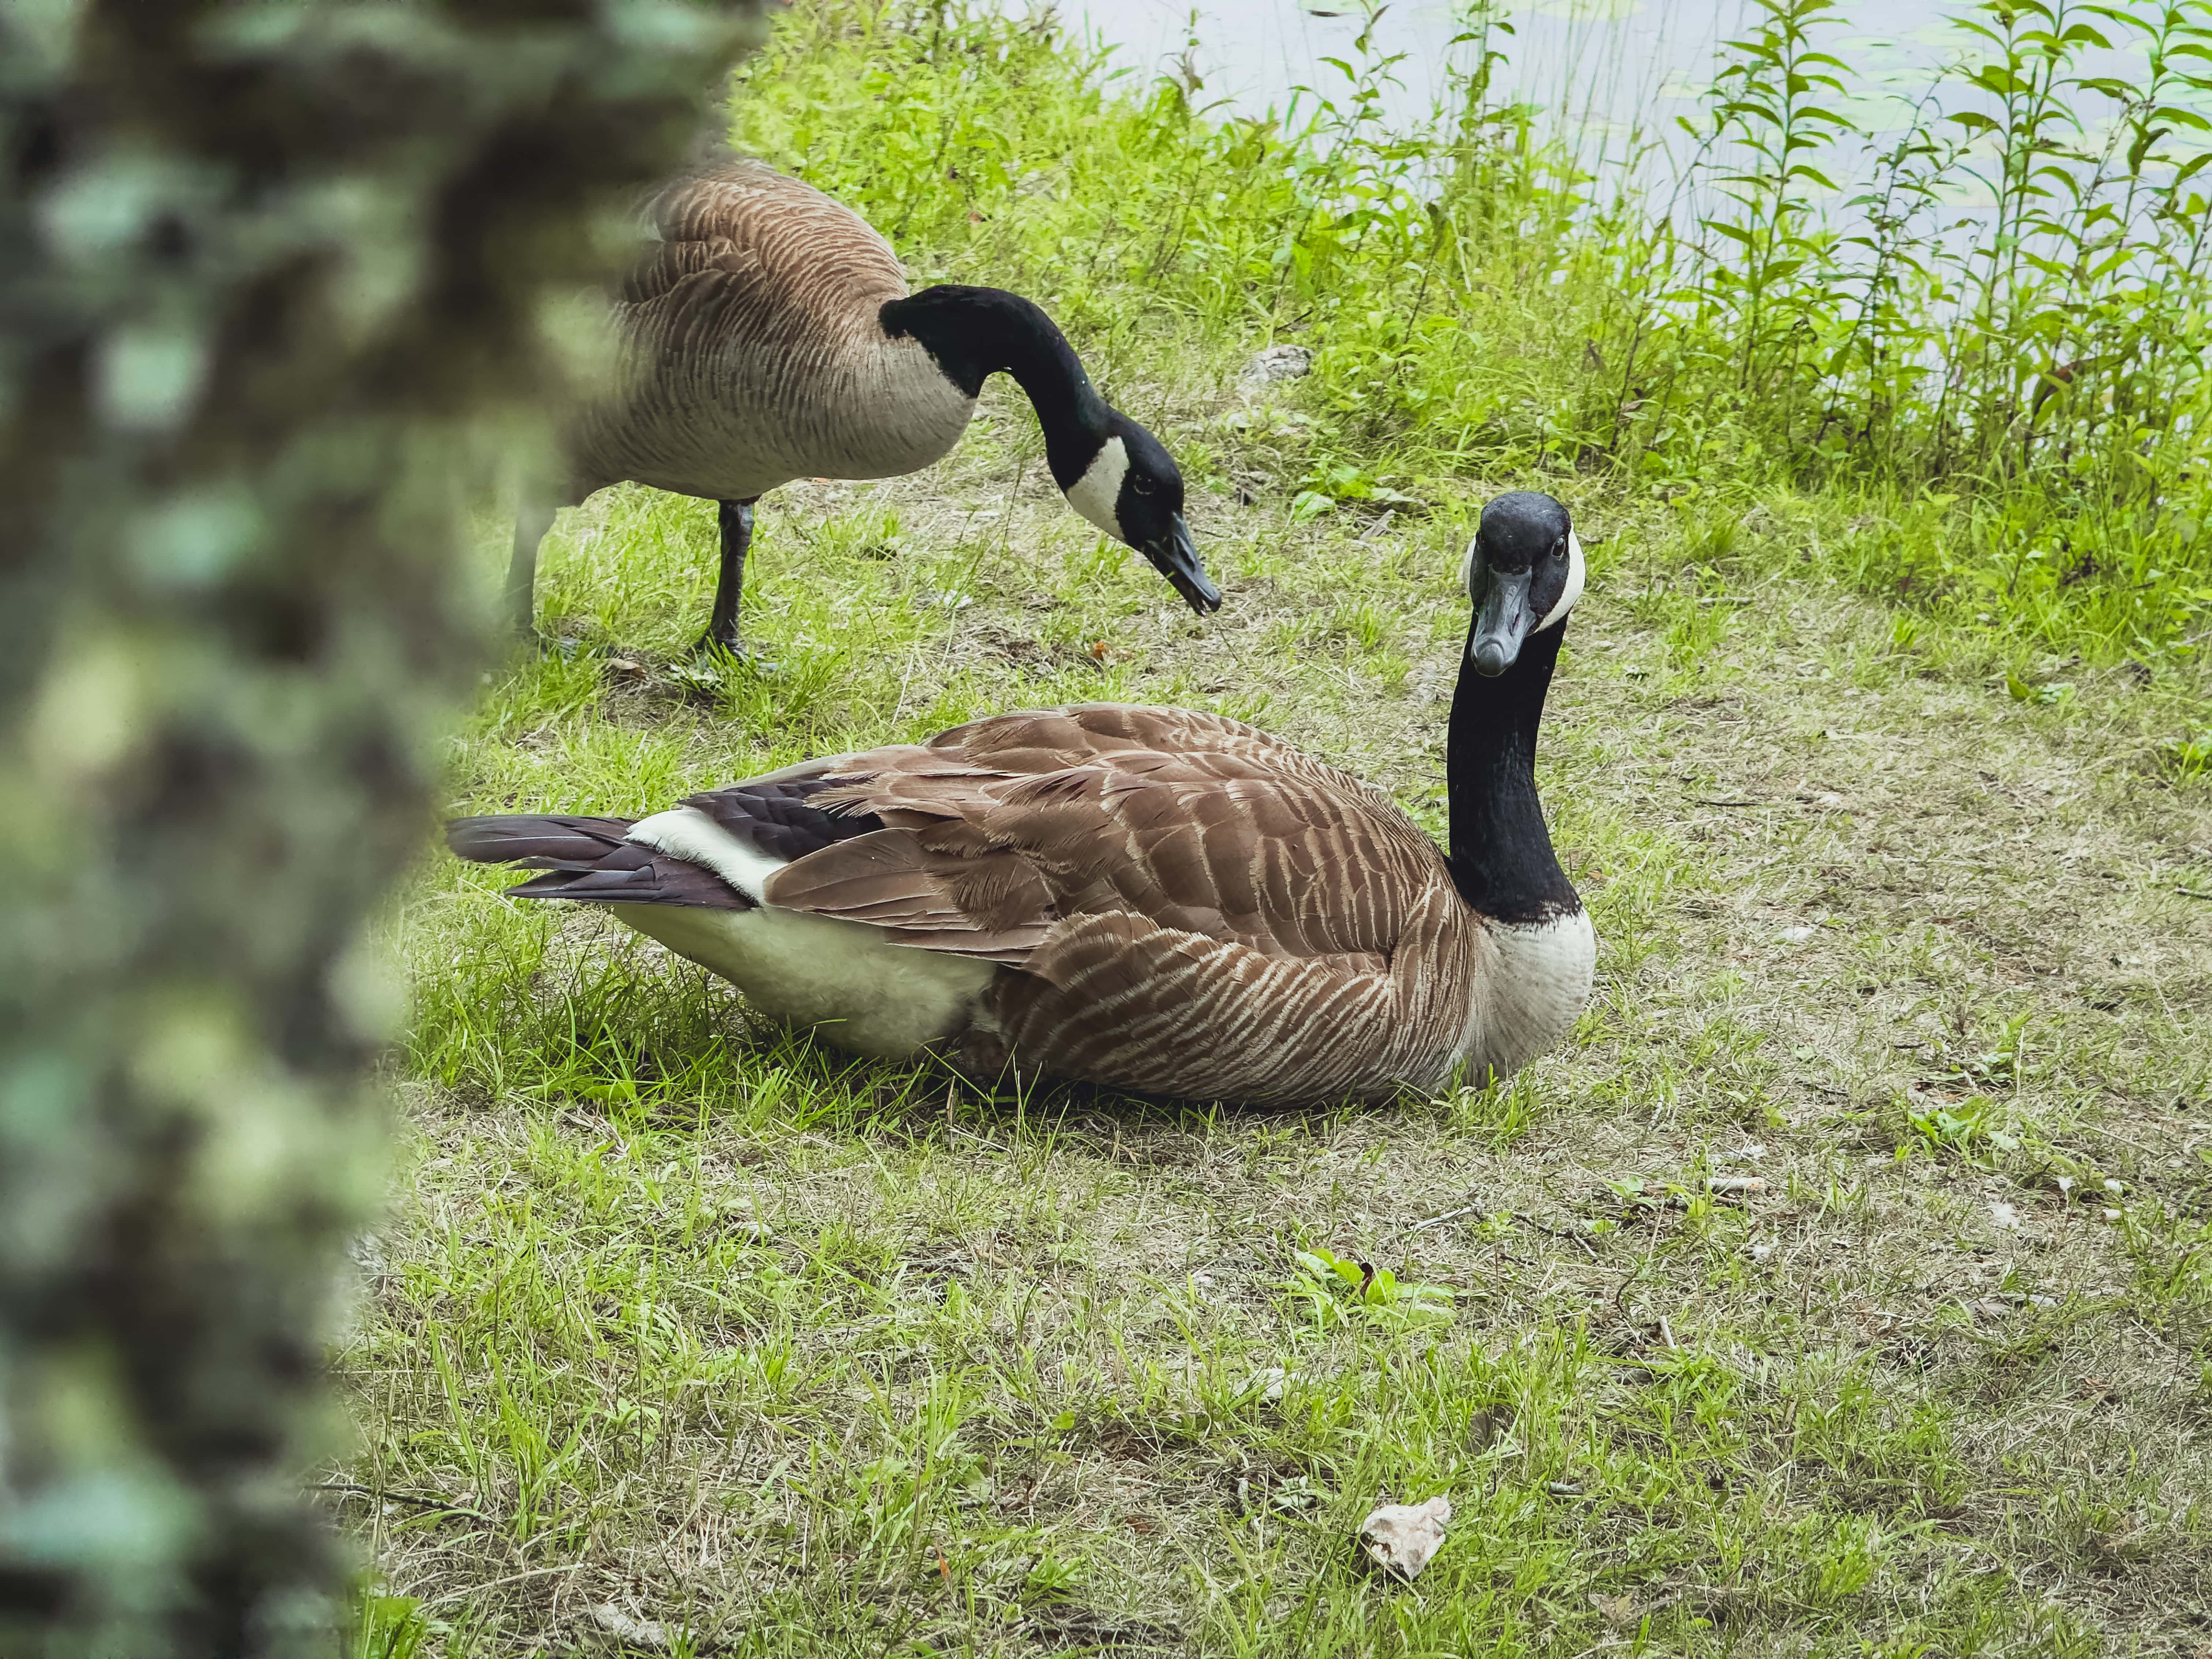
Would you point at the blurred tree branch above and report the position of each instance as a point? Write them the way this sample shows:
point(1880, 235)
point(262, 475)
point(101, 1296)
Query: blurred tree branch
point(279, 280)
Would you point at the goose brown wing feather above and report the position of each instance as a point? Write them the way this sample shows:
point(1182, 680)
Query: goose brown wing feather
point(1006, 827)
point(666, 267)
point(784, 224)
point(994, 906)
point(1045, 740)
point(1117, 1000)
point(749, 343)
point(744, 252)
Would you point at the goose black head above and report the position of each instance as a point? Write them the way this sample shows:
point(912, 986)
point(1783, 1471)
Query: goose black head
point(1523, 571)
point(1131, 489)
point(1113, 472)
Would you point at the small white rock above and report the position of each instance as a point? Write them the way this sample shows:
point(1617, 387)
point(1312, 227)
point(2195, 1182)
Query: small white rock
point(637, 1633)
point(1402, 1539)
point(1266, 1384)
point(1279, 363)
point(2004, 1215)
point(1797, 935)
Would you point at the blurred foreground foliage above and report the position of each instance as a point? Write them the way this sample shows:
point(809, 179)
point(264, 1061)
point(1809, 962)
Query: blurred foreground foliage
point(277, 281)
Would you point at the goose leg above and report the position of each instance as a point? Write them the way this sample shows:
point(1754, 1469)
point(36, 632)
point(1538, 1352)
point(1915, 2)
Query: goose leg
point(736, 522)
point(532, 521)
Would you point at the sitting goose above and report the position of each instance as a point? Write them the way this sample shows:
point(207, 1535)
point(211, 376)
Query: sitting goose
point(1148, 898)
point(770, 336)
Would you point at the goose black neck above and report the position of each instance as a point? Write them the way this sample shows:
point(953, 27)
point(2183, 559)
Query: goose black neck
point(976, 332)
point(1502, 860)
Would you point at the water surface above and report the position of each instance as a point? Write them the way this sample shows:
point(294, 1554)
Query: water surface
point(1603, 69)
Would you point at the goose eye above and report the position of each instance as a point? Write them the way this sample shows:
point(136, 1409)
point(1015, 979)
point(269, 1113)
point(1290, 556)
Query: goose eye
point(1559, 548)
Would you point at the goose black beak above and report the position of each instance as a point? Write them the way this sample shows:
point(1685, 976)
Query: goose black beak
point(1174, 557)
point(1501, 624)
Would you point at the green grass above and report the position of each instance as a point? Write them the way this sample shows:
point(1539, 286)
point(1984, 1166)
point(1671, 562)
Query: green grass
point(686, 1336)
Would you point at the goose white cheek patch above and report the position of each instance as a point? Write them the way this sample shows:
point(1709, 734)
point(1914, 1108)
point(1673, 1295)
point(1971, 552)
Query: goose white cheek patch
point(1095, 494)
point(1573, 590)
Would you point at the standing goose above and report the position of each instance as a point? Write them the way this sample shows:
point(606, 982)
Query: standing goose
point(768, 335)
point(1148, 898)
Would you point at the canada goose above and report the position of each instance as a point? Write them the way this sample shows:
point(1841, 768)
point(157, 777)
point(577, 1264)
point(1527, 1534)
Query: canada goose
point(1153, 899)
point(770, 336)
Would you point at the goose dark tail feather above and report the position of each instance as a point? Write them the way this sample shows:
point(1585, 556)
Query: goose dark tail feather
point(537, 843)
point(589, 859)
